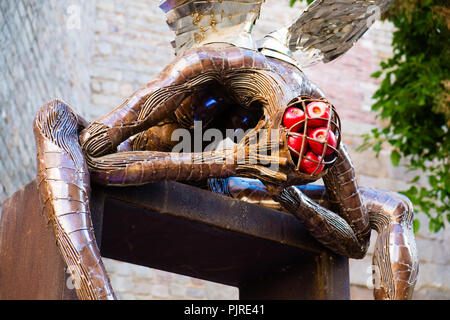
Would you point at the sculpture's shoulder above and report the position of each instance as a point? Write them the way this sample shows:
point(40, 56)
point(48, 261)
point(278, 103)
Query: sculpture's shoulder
point(294, 78)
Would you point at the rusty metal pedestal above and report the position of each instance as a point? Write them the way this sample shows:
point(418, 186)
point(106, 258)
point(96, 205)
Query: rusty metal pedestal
point(177, 228)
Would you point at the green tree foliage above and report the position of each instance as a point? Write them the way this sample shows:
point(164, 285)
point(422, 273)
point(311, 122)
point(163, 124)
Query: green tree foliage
point(413, 98)
point(292, 2)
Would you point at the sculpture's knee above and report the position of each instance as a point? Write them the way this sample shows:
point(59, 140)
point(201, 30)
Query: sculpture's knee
point(386, 207)
point(53, 116)
point(403, 209)
point(56, 123)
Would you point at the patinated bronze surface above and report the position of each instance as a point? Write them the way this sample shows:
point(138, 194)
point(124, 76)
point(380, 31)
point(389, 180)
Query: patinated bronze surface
point(251, 87)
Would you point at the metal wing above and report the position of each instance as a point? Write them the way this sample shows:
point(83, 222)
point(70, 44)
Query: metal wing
point(198, 22)
point(328, 28)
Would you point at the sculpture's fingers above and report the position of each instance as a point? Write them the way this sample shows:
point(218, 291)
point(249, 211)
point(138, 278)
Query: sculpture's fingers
point(162, 96)
point(64, 189)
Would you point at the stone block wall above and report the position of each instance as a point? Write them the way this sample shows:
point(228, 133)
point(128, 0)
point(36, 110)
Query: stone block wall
point(95, 53)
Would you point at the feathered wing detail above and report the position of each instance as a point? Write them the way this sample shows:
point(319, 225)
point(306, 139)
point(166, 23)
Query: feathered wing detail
point(325, 30)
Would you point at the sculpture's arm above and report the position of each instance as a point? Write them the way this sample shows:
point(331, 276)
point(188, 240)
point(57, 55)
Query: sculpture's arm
point(346, 229)
point(194, 70)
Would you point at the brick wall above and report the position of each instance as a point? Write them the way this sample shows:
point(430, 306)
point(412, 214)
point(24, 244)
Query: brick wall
point(119, 46)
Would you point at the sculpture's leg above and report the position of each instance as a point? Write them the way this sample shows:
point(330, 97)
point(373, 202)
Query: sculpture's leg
point(345, 228)
point(64, 189)
point(395, 261)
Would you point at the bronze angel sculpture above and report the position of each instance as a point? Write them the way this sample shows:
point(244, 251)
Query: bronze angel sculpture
point(226, 80)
